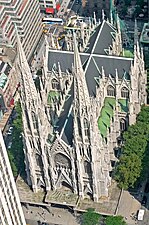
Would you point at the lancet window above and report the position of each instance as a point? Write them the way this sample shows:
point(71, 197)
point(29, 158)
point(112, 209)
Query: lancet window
point(122, 124)
point(38, 160)
point(124, 92)
point(55, 84)
point(110, 90)
point(34, 120)
point(87, 167)
point(86, 127)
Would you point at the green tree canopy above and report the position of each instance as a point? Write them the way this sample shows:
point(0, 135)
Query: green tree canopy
point(134, 159)
point(115, 220)
point(16, 154)
point(90, 217)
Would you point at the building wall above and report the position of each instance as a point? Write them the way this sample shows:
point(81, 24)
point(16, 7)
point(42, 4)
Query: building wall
point(47, 3)
point(10, 208)
point(9, 86)
point(84, 166)
point(26, 15)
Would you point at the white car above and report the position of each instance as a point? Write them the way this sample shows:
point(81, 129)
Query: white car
point(9, 145)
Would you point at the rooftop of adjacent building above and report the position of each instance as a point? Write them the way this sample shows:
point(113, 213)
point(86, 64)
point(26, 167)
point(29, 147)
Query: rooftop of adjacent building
point(4, 72)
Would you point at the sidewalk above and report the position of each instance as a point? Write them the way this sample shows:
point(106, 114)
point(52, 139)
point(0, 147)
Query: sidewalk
point(5, 118)
point(54, 216)
point(128, 207)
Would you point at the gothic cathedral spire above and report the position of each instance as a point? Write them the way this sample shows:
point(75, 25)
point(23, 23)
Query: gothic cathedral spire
point(35, 124)
point(79, 76)
point(30, 91)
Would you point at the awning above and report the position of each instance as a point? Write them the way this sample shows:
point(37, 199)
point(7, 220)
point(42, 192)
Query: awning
point(58, 6)
point(50, 10)
point(12, 101)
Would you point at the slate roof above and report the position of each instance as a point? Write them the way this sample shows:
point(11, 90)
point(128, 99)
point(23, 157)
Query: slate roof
point(66, 119)
point(104, 39)
point(92, 65)
point(92, 60)
point(65, 59)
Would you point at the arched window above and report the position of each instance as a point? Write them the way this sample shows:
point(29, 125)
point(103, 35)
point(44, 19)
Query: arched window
point(66, 84)
point(87, 167)
point(122, 124)
point(34, 120)
point(124, 92)
point(110, 91)
point(62, 160)
point(55, 84)
point(86, 127)
point(79, 126)
point(38, 160)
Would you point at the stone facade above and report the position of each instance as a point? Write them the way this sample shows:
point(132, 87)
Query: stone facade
point(73, 124)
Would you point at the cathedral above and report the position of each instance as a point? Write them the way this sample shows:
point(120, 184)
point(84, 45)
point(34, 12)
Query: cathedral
point(90, 92)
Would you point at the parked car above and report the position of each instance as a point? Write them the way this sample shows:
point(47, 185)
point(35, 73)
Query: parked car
point(10, 128)
point(9, 145)
point(146, 188)
point(144, 200)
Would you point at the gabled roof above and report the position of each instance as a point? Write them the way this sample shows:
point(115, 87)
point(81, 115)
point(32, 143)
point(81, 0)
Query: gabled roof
point(104, 39)
point(92, 64)
point(101, 39)
point(93, 59)
point(64, 124)
point(65, 58)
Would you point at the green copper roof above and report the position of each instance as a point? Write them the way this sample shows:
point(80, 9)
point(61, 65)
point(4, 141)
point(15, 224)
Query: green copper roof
point(128, 54)
point(108, 110)
point(123, 104)
point(102, 127)
point(106, 115)
point(52, 95)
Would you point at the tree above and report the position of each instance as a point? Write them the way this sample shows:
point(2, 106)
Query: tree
point(12, 163)
point(133, 163)
point(90, 217)
point(16, 154)
point(128, 170)
point(114, 220)
point(127, 2)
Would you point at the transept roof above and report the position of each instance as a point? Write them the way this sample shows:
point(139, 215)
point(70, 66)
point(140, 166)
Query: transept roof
point(93, 60)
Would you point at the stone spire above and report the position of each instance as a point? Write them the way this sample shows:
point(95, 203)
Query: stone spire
point(82, 90)
point(35, 124)
point(135, 33)
point(95, 21)
point(119, 44)
point(81, 114)
point(29, 89)
point(103, 15)
point(111, 17)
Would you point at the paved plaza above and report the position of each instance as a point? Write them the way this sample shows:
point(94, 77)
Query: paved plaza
point(129, 207)
point(52, 215)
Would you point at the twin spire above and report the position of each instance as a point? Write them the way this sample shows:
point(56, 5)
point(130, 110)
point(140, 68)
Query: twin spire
point(27, 82)
point(81, 90)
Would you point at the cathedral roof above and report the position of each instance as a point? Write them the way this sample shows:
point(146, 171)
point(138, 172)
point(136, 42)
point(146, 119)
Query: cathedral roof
point(64, 124)
point(93, 59)
point(102, 39)
point(92, 64)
